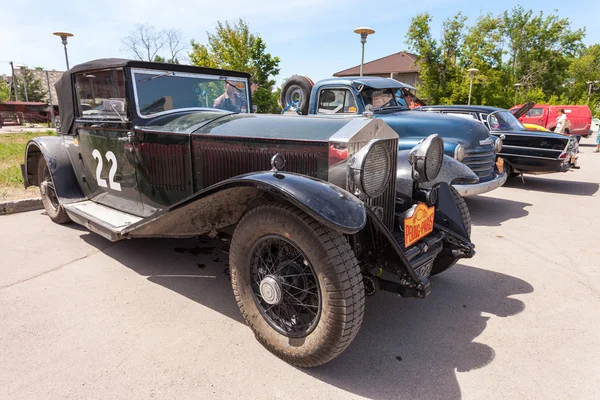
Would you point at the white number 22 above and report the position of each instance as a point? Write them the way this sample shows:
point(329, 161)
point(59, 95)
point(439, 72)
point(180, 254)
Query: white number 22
point(110, 156)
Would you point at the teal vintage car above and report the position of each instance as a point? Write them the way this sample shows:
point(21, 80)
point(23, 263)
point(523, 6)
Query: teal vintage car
point(465, 141)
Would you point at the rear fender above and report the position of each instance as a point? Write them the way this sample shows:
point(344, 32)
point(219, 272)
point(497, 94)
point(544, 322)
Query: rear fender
point(53, 150)
point(224, 204)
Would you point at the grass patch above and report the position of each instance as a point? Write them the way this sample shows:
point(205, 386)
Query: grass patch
point(12, 153)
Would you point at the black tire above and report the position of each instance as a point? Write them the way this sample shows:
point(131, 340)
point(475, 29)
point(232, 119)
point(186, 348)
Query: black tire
point(55, 211)
point(445, 260)
point(335, 270)
point(297, 87)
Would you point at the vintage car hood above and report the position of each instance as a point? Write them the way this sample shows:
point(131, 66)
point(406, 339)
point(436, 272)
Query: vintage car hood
point(412, 126)
point(533, 139)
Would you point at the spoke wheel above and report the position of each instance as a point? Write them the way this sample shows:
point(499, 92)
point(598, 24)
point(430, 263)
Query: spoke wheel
point(50, 200)
point(285, 287)
point(297, 283)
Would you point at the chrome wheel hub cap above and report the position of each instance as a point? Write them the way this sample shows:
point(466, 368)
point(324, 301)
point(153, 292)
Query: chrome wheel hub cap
point(270, 290)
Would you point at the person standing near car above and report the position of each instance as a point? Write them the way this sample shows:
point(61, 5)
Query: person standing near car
point(597, 142)
point(561, 121)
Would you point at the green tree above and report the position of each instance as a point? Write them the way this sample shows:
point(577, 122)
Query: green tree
point(582, 70)
point(235, 47)
point(4, 91)
point(540, 48)
point(34, 85)
point(420, 41)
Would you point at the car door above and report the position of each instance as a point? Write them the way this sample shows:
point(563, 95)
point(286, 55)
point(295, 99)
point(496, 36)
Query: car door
point(105, 142)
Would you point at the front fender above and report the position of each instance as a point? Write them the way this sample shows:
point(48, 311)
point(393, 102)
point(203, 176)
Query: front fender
point(451, 172)
point(53, 150)
point(224, 204)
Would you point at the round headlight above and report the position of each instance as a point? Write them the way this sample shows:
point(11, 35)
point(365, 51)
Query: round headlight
point(427, 158)
point(371, 168)
point(498, 144)
point(459, 152)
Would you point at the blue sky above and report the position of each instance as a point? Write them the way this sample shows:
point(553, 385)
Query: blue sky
point(312, 37)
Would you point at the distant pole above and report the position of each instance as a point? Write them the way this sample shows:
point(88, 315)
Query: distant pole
point(64, 36)
point(14, 80)
point(51, 102)
point(517, 86)
point(472, 72)
point(363, 31)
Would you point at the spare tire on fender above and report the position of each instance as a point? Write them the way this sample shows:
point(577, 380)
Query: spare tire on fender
point(297, 89)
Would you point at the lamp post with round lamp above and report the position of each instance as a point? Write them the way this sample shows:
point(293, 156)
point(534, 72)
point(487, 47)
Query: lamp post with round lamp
point(91, 78)
point(363, 31)
point(64, 36)
point(472, 72)
point(517, 86)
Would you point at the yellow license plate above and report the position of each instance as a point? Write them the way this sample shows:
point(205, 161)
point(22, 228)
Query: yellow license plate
point(500, 164)
point(418, 223)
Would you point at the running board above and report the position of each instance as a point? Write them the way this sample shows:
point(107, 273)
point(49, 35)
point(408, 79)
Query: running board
point(100, 219)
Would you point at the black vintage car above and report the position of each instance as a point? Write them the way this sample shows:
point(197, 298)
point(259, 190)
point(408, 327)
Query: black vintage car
point(318, 211)
point(523, 150)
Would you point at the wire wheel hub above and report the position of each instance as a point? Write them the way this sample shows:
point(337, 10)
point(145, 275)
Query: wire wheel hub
point(270, 290)
point(285, 286)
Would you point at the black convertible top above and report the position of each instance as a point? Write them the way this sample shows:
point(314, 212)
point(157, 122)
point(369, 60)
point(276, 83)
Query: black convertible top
point(66, 94)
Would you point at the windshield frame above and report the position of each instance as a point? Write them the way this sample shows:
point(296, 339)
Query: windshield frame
point(167, 73)
point(392, 91)
point(519, 127)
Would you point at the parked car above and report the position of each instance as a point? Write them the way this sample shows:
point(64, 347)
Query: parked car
point(318, 211)
point(523, 150)
point(545, 115)
point(464, 141)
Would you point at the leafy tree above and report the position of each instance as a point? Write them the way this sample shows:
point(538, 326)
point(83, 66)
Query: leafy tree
point(4, 91)
point(518, 46)
point(583, 69)
point(235, 47)
point(34, 85)
point(421, 41)
point(540, 48)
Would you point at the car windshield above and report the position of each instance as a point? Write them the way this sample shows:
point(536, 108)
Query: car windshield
point(381, 98)
point(504, 121)
point(162, 91)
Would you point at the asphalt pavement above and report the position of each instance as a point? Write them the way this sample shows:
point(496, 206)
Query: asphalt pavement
point(81, 317)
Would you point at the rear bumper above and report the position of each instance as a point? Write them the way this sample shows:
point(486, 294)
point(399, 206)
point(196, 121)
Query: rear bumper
point(482, 187)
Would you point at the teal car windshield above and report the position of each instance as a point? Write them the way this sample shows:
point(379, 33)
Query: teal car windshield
point(504, 121)
point(159, 92)
point(380, 98)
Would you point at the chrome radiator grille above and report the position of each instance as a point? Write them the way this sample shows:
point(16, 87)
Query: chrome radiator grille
point(481, 160)
point(383, 205)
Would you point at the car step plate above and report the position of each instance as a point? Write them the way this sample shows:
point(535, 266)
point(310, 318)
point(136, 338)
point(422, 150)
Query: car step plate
point(117, 220)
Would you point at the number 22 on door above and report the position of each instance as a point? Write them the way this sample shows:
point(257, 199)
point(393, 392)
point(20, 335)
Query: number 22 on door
point(110, 156)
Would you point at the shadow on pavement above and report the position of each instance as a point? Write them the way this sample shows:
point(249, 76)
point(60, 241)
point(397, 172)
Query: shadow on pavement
point(405, 349)
point(492, 211)
point(549, 185)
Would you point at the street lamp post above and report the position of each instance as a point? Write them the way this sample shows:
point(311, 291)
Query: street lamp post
point(363, 31)
point(472, 72)
point(590, 86)
point(91, 78)
point(50, 100)
point(517, 86)
point(64, 36)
